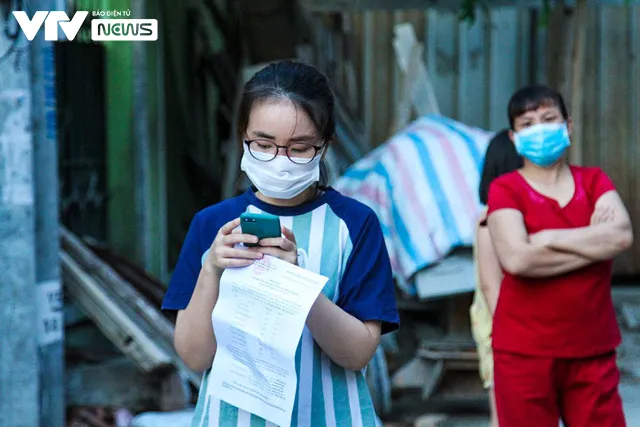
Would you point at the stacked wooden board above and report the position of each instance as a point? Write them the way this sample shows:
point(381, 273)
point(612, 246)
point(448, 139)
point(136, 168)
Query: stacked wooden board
point(130, 317)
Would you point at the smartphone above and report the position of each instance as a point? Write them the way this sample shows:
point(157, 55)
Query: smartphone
point(261, 225)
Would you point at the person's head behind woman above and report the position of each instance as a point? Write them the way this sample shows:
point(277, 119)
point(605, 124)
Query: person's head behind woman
point(540, 125)
point(285, 122)
point(501, 157)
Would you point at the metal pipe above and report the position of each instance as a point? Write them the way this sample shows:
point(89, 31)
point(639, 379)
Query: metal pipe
point(50, 329)
point(142, 145)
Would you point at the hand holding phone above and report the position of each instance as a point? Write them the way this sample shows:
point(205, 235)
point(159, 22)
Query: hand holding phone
point(223, 252)
point(261, 225)
point(273, 239)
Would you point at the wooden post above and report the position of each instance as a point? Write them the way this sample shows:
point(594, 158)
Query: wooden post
point(559, 41)
point(566, 53)
point(577, 72)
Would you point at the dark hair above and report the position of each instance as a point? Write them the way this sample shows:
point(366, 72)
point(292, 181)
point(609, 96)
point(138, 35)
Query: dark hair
point(531, 98)
point(304, 85)
point(501, 157)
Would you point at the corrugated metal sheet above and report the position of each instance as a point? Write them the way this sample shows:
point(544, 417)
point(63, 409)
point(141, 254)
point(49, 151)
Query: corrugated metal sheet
point(475, 69)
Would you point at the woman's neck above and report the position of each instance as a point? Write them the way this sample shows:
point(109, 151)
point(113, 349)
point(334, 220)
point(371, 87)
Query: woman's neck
point(307, 195)
point(546, 176)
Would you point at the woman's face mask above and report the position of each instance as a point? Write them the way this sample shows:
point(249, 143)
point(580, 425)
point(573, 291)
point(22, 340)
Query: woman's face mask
point(543, 144)
point(280, 178)
point(273, 172)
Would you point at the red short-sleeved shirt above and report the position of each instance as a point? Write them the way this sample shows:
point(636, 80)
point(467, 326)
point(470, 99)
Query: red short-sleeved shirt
point(570, 315)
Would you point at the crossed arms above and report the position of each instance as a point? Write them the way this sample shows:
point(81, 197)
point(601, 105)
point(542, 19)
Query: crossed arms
point(555, 252)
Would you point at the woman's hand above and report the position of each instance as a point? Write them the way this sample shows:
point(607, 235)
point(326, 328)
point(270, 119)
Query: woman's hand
point(223, 253)
point(542, 238)
point(284, 248)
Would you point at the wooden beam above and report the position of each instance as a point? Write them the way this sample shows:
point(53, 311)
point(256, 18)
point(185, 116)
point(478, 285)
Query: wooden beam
point(578, 60)
point(361, 5)
point(127, 299)
point(121, 291)
point(111, 319)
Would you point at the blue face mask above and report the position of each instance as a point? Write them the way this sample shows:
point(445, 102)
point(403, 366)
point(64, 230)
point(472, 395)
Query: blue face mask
point(543, 144)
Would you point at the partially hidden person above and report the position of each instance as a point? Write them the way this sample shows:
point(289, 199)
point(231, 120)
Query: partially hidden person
point(286, 123)
point(501, 157)
point(556, 228)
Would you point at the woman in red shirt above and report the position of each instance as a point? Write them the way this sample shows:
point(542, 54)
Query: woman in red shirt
point(556, 228)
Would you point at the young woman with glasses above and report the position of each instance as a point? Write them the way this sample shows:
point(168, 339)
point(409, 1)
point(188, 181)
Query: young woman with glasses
point(286, 122)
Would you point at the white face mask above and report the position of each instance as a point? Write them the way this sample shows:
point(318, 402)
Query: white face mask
point(280, 178)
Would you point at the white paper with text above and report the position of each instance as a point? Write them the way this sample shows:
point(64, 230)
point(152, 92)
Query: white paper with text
point(258, 321)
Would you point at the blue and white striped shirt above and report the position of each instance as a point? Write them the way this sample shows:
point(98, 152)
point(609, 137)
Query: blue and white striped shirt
point(344, 242)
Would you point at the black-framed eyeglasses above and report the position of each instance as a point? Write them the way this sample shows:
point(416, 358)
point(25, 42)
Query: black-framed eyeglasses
point(300, 152)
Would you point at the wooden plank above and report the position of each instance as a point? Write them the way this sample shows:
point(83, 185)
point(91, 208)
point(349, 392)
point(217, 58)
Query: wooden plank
point(590, 117)
point(472, 99)
point(412, 375)
point(130, 301)
point(449, 345)
point(403, 108)
point(578, 62)
point(453, 275)
point(398, 73)
point(615, 125)
point(368, 47)
point(112, 282)
point(383, 63)
point(350, 57)
point(111, 319)
point(443, 26)
point(148, 286)
point(461, 365)
point(436, 372)
point(502, 76)
point(426, 353)
point(418, 94)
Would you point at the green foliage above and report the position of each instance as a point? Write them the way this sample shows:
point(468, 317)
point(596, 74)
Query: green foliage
point(468, 11)
point(469, 8)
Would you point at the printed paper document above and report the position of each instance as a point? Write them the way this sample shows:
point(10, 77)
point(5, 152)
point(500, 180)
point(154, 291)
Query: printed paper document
point(258, 321)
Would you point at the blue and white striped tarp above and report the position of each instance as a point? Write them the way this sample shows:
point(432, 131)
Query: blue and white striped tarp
point(423, 185)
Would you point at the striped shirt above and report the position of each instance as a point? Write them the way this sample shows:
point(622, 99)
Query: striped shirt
point(343, 241)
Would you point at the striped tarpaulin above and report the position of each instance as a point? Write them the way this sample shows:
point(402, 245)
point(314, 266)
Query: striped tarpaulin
point(423, 185)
